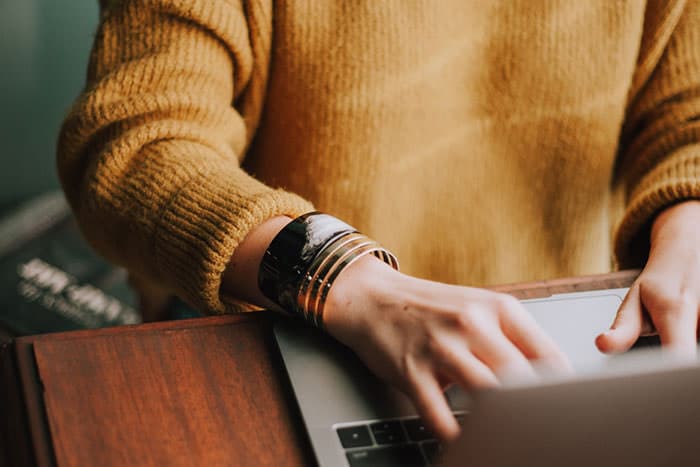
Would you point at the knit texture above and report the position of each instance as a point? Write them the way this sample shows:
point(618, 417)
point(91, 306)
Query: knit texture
point(482, 141)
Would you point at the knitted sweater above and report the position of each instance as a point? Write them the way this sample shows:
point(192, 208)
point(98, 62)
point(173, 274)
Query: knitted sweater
point(481, 141)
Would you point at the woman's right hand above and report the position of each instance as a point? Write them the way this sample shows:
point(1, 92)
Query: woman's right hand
point(422, 336)
point(415, 334)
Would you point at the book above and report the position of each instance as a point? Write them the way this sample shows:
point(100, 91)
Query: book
point(50, 278)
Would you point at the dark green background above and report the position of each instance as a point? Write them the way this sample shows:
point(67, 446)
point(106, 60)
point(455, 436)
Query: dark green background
point(44, 48)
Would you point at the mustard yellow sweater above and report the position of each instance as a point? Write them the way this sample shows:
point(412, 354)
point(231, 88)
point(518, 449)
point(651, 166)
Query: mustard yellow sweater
point(481, 141)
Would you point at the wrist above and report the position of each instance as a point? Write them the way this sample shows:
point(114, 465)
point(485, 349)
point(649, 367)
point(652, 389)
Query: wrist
point(678, 221)
point(304, 260)
point(359, 290)
point(240, 277)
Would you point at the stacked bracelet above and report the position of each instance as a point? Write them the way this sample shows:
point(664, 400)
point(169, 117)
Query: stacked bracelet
point(302, 262)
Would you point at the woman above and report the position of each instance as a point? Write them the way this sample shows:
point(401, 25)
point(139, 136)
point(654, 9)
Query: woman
point(480, 142)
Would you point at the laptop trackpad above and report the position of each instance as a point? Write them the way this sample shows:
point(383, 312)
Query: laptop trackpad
point(575, 322)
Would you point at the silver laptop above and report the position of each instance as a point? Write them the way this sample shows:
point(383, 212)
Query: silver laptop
point(610, 414)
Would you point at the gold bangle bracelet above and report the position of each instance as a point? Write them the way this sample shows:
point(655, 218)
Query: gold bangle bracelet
point(321, 300)
point(342, 258)
point(330, 258)
point(319, 264)
point(333, 259)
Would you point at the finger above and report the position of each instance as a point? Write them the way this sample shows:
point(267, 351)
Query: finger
point(457, 362)
point(535, 344)
point(433, 407)
point(627, 325)
point(677, 328)
point(501, 356)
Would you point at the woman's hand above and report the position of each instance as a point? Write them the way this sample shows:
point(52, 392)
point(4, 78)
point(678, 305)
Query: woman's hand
point(421, 336)
point(417, 335)
point(666, 296)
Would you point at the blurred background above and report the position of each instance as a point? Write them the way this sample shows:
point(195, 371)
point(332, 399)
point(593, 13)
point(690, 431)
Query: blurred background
point(50, 279)
point(44, 48)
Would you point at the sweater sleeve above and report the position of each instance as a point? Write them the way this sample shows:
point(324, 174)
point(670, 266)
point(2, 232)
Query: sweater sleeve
point(659, 159)
point(149, 156)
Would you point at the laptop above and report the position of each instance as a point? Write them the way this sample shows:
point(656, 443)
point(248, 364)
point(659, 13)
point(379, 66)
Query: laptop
point(613, 412)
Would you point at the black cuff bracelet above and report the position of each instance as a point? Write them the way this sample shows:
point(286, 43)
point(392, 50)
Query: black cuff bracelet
point(303, 260)
point(291, 252)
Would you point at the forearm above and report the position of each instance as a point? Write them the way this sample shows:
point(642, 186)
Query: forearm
point(240, 279)
point(149, 156)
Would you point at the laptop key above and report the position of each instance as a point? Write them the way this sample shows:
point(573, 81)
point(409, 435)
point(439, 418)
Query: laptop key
point(417, 430)
point(388, 432)
point(354, 436)
point(389, 456)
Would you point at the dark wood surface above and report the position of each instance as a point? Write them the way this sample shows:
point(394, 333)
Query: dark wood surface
point(203, 392)
point(15, 444)
point(210, 391)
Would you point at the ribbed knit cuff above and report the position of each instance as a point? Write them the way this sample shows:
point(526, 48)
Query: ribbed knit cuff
point(202, 225)
point(676, 179)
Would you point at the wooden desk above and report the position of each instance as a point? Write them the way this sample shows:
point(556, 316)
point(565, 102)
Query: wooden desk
point(208, 391)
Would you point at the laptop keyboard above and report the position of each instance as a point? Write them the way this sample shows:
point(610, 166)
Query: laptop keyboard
point(390, 443)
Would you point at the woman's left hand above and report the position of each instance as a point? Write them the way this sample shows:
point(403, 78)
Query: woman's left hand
point(665, 298)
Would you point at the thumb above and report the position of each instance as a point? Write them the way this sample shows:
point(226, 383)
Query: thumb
point(627, 326)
